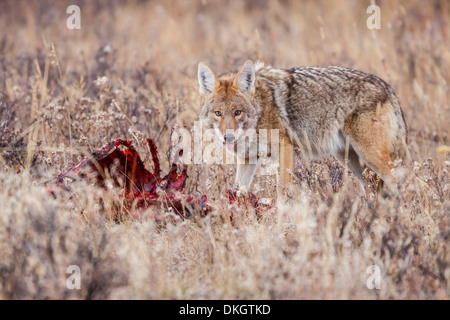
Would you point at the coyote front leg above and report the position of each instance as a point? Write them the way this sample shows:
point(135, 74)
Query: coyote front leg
point(286, 162)
point(244, 176)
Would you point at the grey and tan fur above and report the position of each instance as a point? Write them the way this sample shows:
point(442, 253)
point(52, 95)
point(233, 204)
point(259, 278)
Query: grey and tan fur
point(316, 108)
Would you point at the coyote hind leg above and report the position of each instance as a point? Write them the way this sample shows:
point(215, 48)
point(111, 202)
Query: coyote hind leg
point(353, 163)
point(369, 134)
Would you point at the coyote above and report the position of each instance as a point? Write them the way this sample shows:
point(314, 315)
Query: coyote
point(331, 110)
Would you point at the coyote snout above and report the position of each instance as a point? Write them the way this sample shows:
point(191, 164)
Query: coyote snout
point(318, 107)
point(229, 138)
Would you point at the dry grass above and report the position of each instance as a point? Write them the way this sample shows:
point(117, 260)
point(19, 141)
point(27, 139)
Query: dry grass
point(55, 107)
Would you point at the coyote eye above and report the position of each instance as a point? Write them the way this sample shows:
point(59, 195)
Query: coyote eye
point(237, 113)
point(218, 113)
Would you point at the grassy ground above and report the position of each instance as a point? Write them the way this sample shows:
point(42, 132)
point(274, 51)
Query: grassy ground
point(130, 72)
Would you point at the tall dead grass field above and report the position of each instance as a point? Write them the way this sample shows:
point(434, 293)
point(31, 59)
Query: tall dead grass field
point(130, 72)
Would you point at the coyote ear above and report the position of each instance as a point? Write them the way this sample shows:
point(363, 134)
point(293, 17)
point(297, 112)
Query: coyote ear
point(206, 79)
point(245, 79)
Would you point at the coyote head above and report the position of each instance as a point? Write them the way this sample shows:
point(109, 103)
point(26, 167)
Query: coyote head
point(227, 103)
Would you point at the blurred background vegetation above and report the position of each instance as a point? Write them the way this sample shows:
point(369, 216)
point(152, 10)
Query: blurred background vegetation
point(131, 72)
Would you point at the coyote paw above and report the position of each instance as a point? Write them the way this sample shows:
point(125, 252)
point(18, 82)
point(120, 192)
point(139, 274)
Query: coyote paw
point(241, 191)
